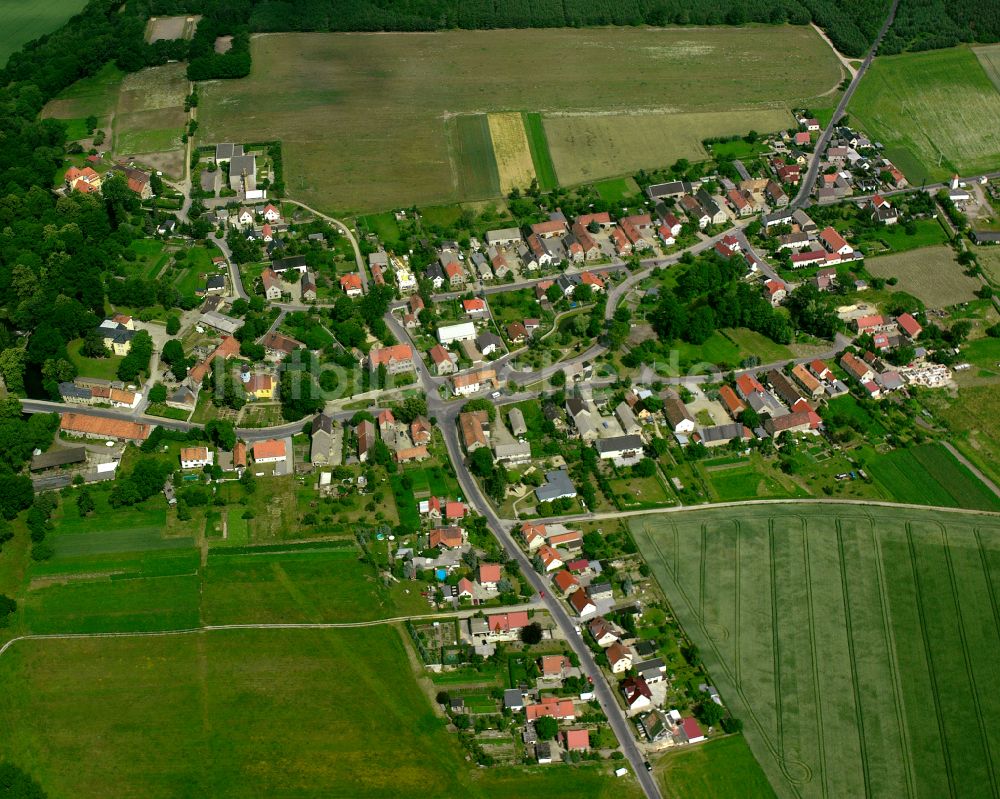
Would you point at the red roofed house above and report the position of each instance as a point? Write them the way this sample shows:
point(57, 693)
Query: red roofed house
point(474, 307)
point(873, 323)
point(456, 277)
point(489, 575)
point(603, 220)
point(554, 665)
point(449, 537)
point(84, 180)
point(272, 284)
point(820, 369)
point(619, 658)
point(637, 694)
point(443, 364)
point(548, 230)
point(551, 706)
point(808, 258)
point(834, 242)
point(396, 359)
point(351, 285)
point(592, 280)
point(747, 385)
point(271, 214)
point(672, 223)
point(576, 740)
point(507, 623)
point(733, 403)
point(802, 137)
point(909, 325)
point(776, 290)
point(692, 730)
point(565, 581)
point(550, 558)
point(582, 603)
point(856, 368)
point(454, 510)
point(270, 451)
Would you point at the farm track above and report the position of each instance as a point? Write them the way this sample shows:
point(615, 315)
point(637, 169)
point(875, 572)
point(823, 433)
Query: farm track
point(814, 657)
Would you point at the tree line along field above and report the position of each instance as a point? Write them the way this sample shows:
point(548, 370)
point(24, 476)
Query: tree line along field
point(334, 713)
point(24, 21)
point(937, 113)
point(399, 119)
point(858, 644)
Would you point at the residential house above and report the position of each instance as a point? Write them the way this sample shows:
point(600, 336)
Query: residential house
point(473, 426)
point(623, 450)
point(475, 308)
point(322, 439)
point(627, 420)
point(271, 450)
point(396, 359)
point(637, 694)
point(549, 558)
point(910, 326)
point(557, 485)
point(807, 380)
point(747, 384)
point(243, 173)
point(278, 345)
point(504, 237)
point(85, 181)
point(272, 284)
point(652, 671)
point(676, 188)
point(576, 740)
point(693, 210)
point(856, 368)
point(733, 404)
point(444, 361)
point(455, 274)
point(680, 419)
point(775, 195)
point(692, 730)
point(449, 537)
point(516, 332)
point(490, 575)
point(551, 707)
point(260, 387)
point(775, 290)
point(351, 284)
point(308, 287)
point(517, 424)
point(834, 242)
point(721, 434)
point(366, 439)
point(565, 581)
point(196, 457)
point(783, 387)
point(619, 658)
point(473, 382)
point(581, 603)
point(603, 632)
point(549, 229)
point(717, 215)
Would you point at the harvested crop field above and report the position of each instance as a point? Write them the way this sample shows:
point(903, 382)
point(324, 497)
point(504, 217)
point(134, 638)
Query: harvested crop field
point(510, 146)
point(857, 644)
point(387, 112)
point(989, 57)
point(588, 147)
point(936, 112)
point(931, 274)
point(473, 160)
point(150, 117)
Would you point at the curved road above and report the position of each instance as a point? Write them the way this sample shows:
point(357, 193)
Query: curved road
point(809, 181)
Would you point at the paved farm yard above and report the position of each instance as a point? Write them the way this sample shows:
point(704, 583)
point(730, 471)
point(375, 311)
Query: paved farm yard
point(248, 713)
point(858, 645)
point(930, 274)
point(937, 113)
point(365, 128)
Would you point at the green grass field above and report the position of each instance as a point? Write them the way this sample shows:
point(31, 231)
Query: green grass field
point(391, 104)
point(25, 21)
point(279, 713)
point(929, 475)
point(615, 190)
point(857, 644)
point(97, 95)
point(720, 767)
point(102, 368)
point(947, 121)
point(545, 170)
point(930, 274)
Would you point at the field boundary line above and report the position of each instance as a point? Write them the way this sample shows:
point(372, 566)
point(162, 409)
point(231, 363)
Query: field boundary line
point(855, 682)
point(969, 671)
point(737, 583)
point(701, 571)
point(889, 637)
point(928, 659)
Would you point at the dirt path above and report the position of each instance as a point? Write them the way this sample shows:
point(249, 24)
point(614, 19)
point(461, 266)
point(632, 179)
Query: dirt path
point(972, 468)
point(844, 60)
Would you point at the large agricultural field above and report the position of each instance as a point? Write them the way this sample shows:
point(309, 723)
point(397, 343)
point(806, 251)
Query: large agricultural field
point(931, 274)
point(858, 644)
point(393, 116)
point(720, 767)
point(334, 713)
point(25, 20)
point(937, 113)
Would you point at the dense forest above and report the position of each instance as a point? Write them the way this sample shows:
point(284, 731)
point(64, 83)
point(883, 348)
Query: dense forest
point(851, 24)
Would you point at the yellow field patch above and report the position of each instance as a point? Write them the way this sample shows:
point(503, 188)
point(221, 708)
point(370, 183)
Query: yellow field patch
point(510, 146)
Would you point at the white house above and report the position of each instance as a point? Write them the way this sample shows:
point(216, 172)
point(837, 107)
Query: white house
point(619, 658)
point(463, 331)
point(196, 457)
point(623, 450)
